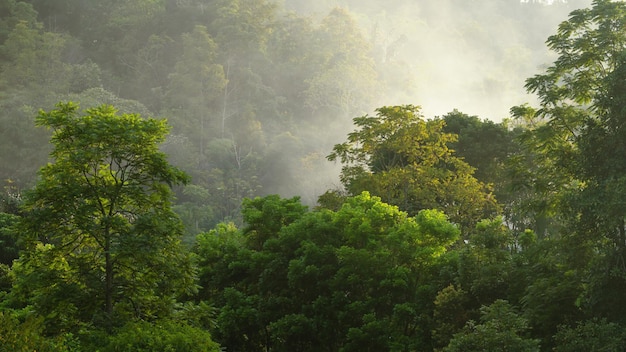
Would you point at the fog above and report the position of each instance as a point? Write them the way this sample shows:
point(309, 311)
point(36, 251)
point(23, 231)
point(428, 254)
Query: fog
point(257, 95)
point(473, 56)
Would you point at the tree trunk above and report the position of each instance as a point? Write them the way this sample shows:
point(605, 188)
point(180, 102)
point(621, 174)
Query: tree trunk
point(108, 277)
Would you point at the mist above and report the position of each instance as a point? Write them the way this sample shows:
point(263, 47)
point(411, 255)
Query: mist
point(259, 93)
point(473, 56)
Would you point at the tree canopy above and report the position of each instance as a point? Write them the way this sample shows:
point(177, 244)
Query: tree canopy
point(407, 161)
point(102, 242)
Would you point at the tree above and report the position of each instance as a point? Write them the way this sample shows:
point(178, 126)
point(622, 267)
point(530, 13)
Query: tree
point(14, 12)
point(355, 279)
point(8, 238)
point(347, 81)
point(485, 262)
point(580, 144)
point(102, 240)
point(242, 27)
point(406, 161)
point(591, 335)
point(484, 272)
point(449, 315)
point(36, 68)
point(501, 329)
point(196, 85)
point(163, 335)
point(16, 335)
point(34, 59)
point(534, 183)
point(483, 144)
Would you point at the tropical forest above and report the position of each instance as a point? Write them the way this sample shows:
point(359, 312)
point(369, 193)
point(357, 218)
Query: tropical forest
point(295, 176)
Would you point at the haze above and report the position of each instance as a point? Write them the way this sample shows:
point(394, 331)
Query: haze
point(256, 107)
point(470, 55)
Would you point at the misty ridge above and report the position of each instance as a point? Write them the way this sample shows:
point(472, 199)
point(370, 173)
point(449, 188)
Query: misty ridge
point(258, 92)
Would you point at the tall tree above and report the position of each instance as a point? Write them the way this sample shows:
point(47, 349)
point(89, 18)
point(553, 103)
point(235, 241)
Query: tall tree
point(196, 86)
point(102, 240)
point(14, 12)
point(406, 161)
point(347, 80)
point(580, 143)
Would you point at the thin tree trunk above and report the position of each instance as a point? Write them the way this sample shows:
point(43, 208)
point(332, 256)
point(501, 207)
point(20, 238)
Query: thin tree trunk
point(108, 276)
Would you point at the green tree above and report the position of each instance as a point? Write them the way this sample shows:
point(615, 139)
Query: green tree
point(500, 329)
point(164, 335)
point(406, 160)
point(486, 261)
point(242, 27)
point(483, 144)
point(28, 335)
point(449, 315)
point(34, 60)
point(36, 69)
point(196, 86)
point(8, 238)
point(14, 12)
point(356, 279)
point(535, 184)
point(347, 81)
point(592, 335)
point(103, 244)
point(580, 144)
point(485, 269)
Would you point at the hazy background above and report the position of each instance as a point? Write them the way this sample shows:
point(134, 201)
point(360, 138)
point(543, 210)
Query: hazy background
point(469, 55)
point(259, 91)
point(472, 55)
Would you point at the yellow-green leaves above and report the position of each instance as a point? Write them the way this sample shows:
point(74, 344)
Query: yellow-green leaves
point(405, 160)
point(103, 208)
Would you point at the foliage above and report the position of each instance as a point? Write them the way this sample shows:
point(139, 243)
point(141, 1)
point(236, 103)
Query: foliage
point(550, 290)
point(500, 329)
point(9, 249)
point(102, 243)
point(483, 144)
point(332, 90)
point(491, 148)
point(15, 12)
point(450, 314)
point(578, 148)
point(294, 280)
point(591, 335)
point(485, 263)
point(255, 95)
point(195, 84)
point(27, 335)
point(161, 335)
point(266, 216)
point(406, 160)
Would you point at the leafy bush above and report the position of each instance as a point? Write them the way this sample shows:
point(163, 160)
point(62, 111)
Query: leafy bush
point(166, 336)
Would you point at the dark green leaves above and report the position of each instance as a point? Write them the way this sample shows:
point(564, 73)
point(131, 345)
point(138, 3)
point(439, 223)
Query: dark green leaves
point(347, 279)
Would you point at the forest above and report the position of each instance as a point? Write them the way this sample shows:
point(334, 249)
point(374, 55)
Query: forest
point(292, 175)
